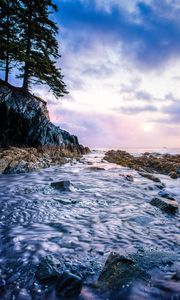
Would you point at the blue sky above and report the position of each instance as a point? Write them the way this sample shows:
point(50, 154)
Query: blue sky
point(121, 62)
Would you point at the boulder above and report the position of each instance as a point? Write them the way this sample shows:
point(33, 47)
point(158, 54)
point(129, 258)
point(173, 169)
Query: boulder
point(166, 205)
point(122, 271)
point(68, 285)
point(63, 186)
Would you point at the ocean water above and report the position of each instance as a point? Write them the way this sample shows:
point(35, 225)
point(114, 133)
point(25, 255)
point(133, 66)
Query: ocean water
point(103, 213)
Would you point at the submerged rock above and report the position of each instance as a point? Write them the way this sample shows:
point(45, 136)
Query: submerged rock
point(169, 206)
point(48, 269)
point(68, 285)
point(63, 186)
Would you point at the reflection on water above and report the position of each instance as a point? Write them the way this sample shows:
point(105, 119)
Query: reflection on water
point(104, 213)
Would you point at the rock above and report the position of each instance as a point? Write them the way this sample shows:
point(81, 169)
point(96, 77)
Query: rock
point(129, 178)
point(24, 120)
point(173, 175)
point(63, 186)
point(150, 176)
point(169, 206)
point(122, 271)
point(166, 195)
point(48, 269)
point(166, 164)
point(160, 185)
point(95, 169)
point(16, 167)
point(176, 276)
point(68, 285)
point(2, 283)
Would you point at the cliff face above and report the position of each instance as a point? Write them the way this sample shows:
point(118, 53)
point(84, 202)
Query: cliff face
point(24, 120)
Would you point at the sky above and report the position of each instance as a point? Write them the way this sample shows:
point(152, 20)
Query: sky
point(121, 64)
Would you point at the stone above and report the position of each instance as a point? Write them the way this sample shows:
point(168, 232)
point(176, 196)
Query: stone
point(68, 285)
point(173, 175)
point(166, 205)
point(63, 186)
point(49, 268)
point(150, 176)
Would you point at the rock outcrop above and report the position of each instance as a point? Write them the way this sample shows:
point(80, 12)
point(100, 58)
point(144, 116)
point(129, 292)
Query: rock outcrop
point(166, 164)
point(24, 121)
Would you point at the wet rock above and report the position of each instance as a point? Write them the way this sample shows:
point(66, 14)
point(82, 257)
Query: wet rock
point(148, 162)
point(2, 283)
point(173, 175)
point(122, 271)
point(129, 178)
point(176, 276)
point(68, 285)
point(166, 195)
point(63, 186)
point(95, 169)
point(169, 206)
point(48, 269)
point(160, 185)
point(150, 176)
point(16, 167)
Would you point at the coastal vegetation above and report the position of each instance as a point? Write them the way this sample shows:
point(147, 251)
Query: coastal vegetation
point(29, 45)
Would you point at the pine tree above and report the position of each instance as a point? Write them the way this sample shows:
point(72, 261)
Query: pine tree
point(40, 46)
point(9, 43)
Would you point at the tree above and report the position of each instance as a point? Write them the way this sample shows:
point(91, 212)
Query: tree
point(9, 44)
point(40, 46)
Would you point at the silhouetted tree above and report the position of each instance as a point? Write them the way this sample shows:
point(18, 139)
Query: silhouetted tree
point(40, 46)
point(9, 33)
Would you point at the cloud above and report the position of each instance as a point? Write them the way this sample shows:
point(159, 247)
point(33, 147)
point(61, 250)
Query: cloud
point(149, 34)
point(134, 110)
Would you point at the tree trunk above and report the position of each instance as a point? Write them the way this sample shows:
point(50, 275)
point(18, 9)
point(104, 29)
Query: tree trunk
point(28, 49)
point(7, 68)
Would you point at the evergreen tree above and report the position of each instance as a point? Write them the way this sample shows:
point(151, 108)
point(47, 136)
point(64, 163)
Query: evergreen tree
point(40, 46)
point(9, 31)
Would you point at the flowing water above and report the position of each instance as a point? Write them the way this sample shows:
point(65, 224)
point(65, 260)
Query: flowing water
point(103, 213)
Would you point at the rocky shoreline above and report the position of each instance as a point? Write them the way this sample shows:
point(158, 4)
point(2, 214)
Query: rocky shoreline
point(165, 164)
point(28, 139)
point(15, 160)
